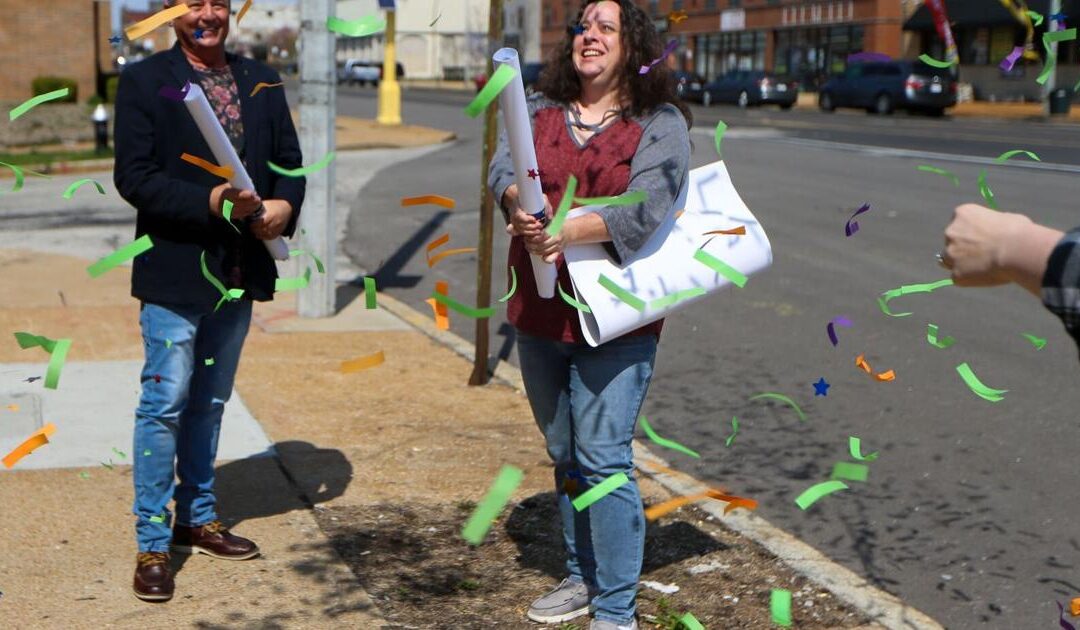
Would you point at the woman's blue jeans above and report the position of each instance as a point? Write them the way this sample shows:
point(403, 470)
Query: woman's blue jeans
point(586, 401)
point(179, 415)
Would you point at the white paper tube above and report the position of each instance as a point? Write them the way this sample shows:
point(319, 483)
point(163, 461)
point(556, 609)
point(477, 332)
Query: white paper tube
point(225, 154)
point(523, 153)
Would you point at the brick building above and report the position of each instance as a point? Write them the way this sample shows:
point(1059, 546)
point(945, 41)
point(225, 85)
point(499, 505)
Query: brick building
point(806, 39)
point(66, 38)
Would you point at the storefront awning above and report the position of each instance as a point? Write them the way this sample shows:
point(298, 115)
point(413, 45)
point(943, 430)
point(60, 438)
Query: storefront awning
point(985, 13)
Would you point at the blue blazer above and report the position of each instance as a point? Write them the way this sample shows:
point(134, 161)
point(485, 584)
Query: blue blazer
point(172, 197)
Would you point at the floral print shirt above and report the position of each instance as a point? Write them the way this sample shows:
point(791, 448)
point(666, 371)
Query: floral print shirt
point(224, 97)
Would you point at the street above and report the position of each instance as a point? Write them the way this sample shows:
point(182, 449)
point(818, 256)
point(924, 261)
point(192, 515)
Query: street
point(968, 512)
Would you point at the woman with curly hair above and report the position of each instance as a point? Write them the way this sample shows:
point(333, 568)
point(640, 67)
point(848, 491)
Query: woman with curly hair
point(599, 118)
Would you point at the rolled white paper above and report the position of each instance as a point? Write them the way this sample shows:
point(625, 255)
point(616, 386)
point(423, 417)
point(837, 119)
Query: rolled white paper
point(523, 153)
point(225, 154)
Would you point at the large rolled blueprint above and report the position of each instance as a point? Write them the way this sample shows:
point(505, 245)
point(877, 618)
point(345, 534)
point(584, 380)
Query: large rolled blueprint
point(666, 265)
point(225, 154)
point(523, 153)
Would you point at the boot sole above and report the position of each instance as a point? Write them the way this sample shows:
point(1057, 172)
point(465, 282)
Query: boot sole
point(551, 619)
point(151, 598)
point(191, 550)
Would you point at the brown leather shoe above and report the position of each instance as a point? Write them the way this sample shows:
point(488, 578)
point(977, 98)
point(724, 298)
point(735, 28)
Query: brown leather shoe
point(153, 577)
point(214, 540)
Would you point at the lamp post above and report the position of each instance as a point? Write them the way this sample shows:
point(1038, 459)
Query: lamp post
point(100, 117)
point(389, 89)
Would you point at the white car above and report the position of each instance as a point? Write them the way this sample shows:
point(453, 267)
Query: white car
point(355, 71)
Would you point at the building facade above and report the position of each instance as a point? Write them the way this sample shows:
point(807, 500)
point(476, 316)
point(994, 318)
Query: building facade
point(64, 38)
point(804, 39)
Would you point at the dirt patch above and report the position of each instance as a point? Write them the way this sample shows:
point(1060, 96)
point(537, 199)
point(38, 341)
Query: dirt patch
point(421, 573)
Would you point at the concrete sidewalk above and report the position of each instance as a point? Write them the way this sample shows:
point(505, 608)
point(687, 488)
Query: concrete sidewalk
point(978, 109)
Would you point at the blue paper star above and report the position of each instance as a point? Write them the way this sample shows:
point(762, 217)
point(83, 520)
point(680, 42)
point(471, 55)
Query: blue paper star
point(821, 388)
point(198, 33)
point(577, 29)
point(115, 40)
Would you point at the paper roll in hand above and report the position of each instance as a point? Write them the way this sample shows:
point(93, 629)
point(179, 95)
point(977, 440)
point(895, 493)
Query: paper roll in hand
point(523, 153)
point(225, 154)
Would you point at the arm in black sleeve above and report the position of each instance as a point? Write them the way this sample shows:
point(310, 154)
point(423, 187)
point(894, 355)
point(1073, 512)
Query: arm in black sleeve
point(138, 176)
point(1061, 283)
point(286, 155)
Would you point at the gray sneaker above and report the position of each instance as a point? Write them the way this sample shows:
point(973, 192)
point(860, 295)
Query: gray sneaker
point(566, 601)
point(604, 624)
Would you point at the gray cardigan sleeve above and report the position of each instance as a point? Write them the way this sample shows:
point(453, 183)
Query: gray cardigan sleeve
point(501, 169)
point(659, 168)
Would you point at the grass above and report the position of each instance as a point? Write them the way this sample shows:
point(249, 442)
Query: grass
point(34, 157)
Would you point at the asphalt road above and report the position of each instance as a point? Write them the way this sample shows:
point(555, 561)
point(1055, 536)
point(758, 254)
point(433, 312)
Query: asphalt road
point(969, 513)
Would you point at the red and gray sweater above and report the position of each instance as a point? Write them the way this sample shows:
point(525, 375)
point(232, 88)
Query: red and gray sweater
point(650, 153)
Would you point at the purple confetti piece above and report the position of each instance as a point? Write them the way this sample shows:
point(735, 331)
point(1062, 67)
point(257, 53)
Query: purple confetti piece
point(867, 56)
point(1065, 625)
point(852, 225)
point(174, 94)
point(670, 48)
point(1008, 62)
point(831, 328)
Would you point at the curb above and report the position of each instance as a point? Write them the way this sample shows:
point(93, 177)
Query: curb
point(881, 607)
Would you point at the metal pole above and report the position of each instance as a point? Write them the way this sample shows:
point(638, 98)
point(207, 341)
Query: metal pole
point(484, 244)
point(318, 109)
point(389, 89)
point(1051, 82)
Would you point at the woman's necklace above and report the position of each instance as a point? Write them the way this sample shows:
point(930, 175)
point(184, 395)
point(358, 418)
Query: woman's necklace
point(592, 128)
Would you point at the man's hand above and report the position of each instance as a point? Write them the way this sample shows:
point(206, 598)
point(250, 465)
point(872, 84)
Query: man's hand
point(976, 242)
point(245, 202)
point(273, 221)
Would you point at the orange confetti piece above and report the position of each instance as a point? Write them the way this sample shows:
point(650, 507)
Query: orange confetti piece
point(442, 313)
point(243, 10)
point(363, 363)
point(861, 362)
point(13, 407)
point(38, 439)
point(671, 505)
point(881, 377)
point(678, 16)
point(1074, 607)
point(438, 242)
point(679, 213)
point(739, 231)
point(434, 260)
point(223, 172)
point(259, 86)
point(885, 376)
point(437, 200)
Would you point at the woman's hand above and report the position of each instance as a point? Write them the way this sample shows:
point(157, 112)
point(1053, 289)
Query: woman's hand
point(522, 223)
point(976, 244)
point(548, 247)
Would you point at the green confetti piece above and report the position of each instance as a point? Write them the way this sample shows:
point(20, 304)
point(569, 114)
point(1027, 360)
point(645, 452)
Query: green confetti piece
point(1038, 342)
point(304, 170)
point(930, 61)
point(782, 398)
point(849, 471)
point(855, 448)
point(226, 211)
point(662, 441)
point(734, 431)
point(557, 221)
point(28, 340)
point(674, 298)
point(908, 289)
point(1004, 157)
point(600, 490)
point(811, 495)
point(56, 363)
point(498, 81)
point(37, 100)
point(371, 297)
point(467, 311)
point(940, 171)
point(1050, 38)
point(157, 519)
point(70, 192)
point(718, 136)
point(625, 199)
point(122, 255)
point(780, 607)
point(367, 25)
point(720, 267)
point(208, 362)
point(20, 177)
point(513, 286)
point(569, 299)
point(168, 343)
point(690, 622)
point(932, 337)
point(293, 284)
point(84, 475)
point(226, 295)
point(119, 452)
point(303, 252)
point(146, 453)
point(976, 386)
point(1037, 17)
point(625, 296)
point(492, 505)
point(109, 465)
point(984, 190)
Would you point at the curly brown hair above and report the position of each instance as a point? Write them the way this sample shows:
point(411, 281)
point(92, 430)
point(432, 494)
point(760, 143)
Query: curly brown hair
point(641, 45)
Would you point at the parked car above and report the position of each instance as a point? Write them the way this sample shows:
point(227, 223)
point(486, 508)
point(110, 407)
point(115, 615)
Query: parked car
point(881, 87)
point(354, 71)
point(751, 87)
point(689, 86)
point(530, 74)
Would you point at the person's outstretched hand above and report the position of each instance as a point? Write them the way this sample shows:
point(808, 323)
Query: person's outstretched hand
point(977, 244)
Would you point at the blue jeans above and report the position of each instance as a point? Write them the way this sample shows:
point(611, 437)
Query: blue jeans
point(586, 401)
point(179, 415)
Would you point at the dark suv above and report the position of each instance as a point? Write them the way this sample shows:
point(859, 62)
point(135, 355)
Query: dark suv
point(881, 87)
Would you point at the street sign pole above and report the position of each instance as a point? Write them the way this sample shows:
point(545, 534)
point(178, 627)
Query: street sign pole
point(1051, 82)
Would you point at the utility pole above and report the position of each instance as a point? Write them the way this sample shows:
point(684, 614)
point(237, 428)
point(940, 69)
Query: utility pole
point(318, 109)
point(389, 89)
point(484, 243)
point(1052, 52)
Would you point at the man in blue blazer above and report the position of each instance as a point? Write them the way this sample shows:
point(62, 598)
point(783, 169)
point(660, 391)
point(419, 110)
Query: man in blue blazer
point(192, 343)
